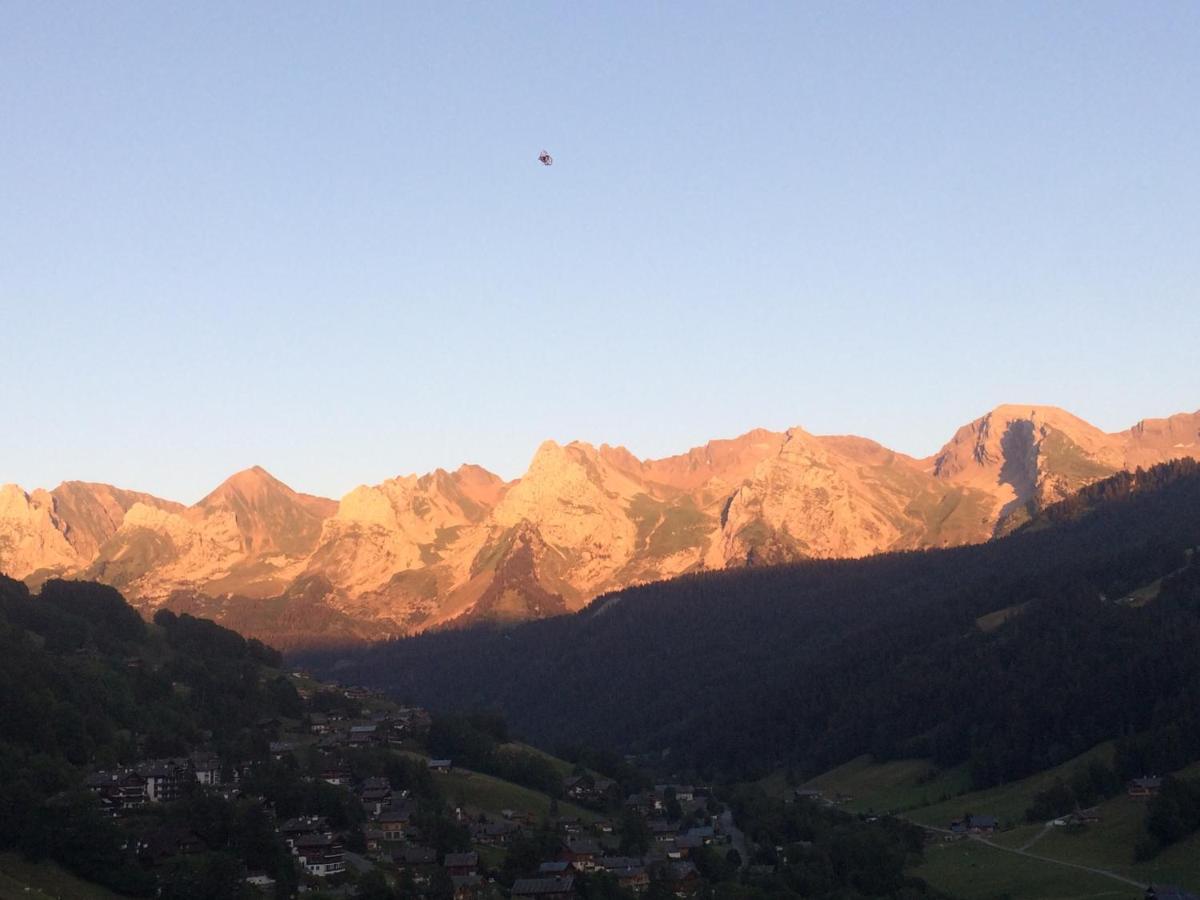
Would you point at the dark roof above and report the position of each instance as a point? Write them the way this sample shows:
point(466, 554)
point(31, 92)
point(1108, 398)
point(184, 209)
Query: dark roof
point(305, 825)
point(415, 856)
point(550, 868)
point(620, 862)
point(531, 887)
point(454, 860)
point(584, 847)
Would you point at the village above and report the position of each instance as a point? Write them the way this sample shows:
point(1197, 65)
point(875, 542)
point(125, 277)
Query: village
point(451, 841)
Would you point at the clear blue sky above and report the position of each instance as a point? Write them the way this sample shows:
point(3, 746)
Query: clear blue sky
point(316, 236)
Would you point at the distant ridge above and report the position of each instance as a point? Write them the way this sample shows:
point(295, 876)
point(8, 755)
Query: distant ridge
point(416, 552)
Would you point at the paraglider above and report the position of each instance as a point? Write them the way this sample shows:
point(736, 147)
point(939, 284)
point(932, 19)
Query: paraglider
point(545, 159)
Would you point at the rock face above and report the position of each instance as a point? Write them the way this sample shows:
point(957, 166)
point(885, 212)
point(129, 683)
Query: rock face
point(454, 548)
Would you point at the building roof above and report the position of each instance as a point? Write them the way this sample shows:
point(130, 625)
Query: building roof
point(532, 887)
point(415, 856)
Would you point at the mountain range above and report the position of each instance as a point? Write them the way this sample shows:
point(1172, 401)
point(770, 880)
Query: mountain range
point(455, 548)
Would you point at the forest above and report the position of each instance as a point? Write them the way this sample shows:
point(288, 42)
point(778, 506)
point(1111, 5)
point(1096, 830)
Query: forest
point(1013, 655)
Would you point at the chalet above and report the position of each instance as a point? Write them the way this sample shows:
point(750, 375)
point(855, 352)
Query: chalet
point(682, 878)
point(581, 853)
point(119, 791)
point(318, 723)
point(461, 863)
point(1145, 787)
point(304, 826)
point(568, 825)
point(494, 834)
point(467, 887)
point(644, 803)
point(336, 776)
point(363, 734)
point(661, 829)
point(155, 847)
point(806, 794)
point(633, 878)
point(164, 779)
point(205, 768)
point(320, 854)
point(579, 787)
point(376, 795)
point(280, 749)
point(373, 838)
point(440, 765)
point(702, 833)
point(975, 825)
point(559, 888)
point(395, 821)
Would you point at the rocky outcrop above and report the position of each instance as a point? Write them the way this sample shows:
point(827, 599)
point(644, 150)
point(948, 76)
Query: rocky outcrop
point(452, 548)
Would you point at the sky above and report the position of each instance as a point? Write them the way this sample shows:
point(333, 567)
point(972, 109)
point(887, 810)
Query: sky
point(316, 237)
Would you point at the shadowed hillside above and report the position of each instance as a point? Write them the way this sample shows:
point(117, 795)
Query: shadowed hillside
point(1013, 656)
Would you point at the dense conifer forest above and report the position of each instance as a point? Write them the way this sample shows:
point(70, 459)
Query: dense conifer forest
point(1013, 655)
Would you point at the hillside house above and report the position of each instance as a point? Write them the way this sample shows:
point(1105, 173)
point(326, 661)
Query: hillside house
point(119, 791)
point(494, 834)
point(376, 795)
point(164, 779)
point(467, 887)
point(157, 846)
point(461, 863)
point(975, 825)
point(320, 854)
point(1145, 787)
point(206, 768)
point(581, 853)
point(303, 826)
point(395, 820)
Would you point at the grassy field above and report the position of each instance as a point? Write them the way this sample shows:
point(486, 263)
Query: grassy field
point(23, 880)
point(564, 768)
point(973, 871)
point(878, 787)
point(1007, 802)
point(483, 792)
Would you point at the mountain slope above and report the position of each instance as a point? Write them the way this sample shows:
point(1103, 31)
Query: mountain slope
point(814, 663)
point(454, 548)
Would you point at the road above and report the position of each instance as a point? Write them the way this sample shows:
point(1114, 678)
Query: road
point(737, 840)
